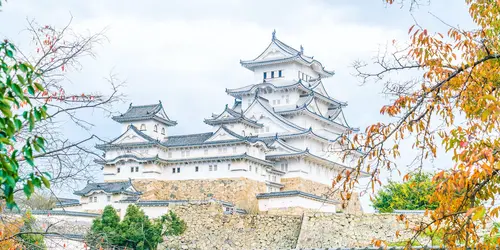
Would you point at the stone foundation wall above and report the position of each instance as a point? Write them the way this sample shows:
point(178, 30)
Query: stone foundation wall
point(297, 183)
point(208, 228)
point(240, 191)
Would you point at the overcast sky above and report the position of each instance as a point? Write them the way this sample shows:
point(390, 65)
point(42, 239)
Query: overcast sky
point(185, 53)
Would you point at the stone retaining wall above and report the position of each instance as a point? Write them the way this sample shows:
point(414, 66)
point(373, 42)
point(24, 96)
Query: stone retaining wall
point(209, 229)
point(240, 191)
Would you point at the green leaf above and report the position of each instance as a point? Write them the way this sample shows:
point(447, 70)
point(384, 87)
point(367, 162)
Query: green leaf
point(38, 115)
point(9, 53)
point(17, 90)
point(37, 182)
point(31, 121)
point(40, 141)
point(23, 67)
point(39, 86)
point(45, 181)
point(21, 79)
point(18, 123)
point(27, 190)
point(31, 90)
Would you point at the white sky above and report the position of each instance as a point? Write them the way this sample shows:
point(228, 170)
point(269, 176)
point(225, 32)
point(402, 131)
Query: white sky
point(185, 53)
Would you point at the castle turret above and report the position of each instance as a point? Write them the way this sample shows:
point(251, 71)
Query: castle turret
point(281, 62)
point(149, 119)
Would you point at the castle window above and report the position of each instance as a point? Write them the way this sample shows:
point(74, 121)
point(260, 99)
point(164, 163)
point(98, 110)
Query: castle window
point(280, 73)
point(196, 169)
point(108, 198)
point(136, 169)
point(210, 168)
point(250, 168)
point(95, 198)
point(215, 167)
point(162, 131)
point(272, 74)
point(178, 170)
point(229, 166)
point(287, 99)
point(143, 127)
point(118, 170)
point(274, 178)
point(265, 75)
point(173, 170)
point(155, 128)
point(131, 169)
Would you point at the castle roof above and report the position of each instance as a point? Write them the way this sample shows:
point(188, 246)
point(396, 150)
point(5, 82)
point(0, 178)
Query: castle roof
point(279, 52)
point(145, 112)
point(231, 116)
point(309, 155)
point(243, 156)
point(295, 193)
point(124, 187)
point(315, 89)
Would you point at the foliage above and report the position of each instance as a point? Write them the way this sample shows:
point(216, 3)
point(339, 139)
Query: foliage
point(453, 104)
point(135, 231)
point(18, 81)
point(411, 195)
point(37, 201)
point(174, 225)
point(20, 233)
point(9, 228)
point(29, 236)
point(104, 230)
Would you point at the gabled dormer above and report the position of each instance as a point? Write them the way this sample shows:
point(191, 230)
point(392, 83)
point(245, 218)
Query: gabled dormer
point(280, 61)
point(151, 120)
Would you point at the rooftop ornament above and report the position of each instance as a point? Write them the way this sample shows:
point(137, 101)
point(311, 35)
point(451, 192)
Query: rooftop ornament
point(274, 34)
point(301, 49)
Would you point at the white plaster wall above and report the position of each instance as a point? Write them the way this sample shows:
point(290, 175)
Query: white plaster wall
point(152, 170)
point(149, 128)
point(235, 170)
point(310, 171)
point(212, 151)
point(288, 73)
point(295, 201)
point(154, 212)
point(102, 201)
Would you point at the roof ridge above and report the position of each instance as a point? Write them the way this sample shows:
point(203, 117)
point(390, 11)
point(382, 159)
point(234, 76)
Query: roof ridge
point(205, 133)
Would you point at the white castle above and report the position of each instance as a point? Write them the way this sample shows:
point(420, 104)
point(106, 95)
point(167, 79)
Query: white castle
point(280, 133)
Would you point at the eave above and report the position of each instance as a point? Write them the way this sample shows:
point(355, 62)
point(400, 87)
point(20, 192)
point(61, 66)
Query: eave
point(307, 154)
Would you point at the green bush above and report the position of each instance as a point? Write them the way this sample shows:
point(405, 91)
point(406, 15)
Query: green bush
point(411, 195)
point(135, 231)
point(173, 224)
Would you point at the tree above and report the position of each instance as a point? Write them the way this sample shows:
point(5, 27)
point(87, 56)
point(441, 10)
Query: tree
point(135, 231)
point(174, 225)
point(19, 81)
point(454, 102)
point(138, 232)
point(30, 236)
point(104, 230)
point(39, 200)
point(411, 195)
